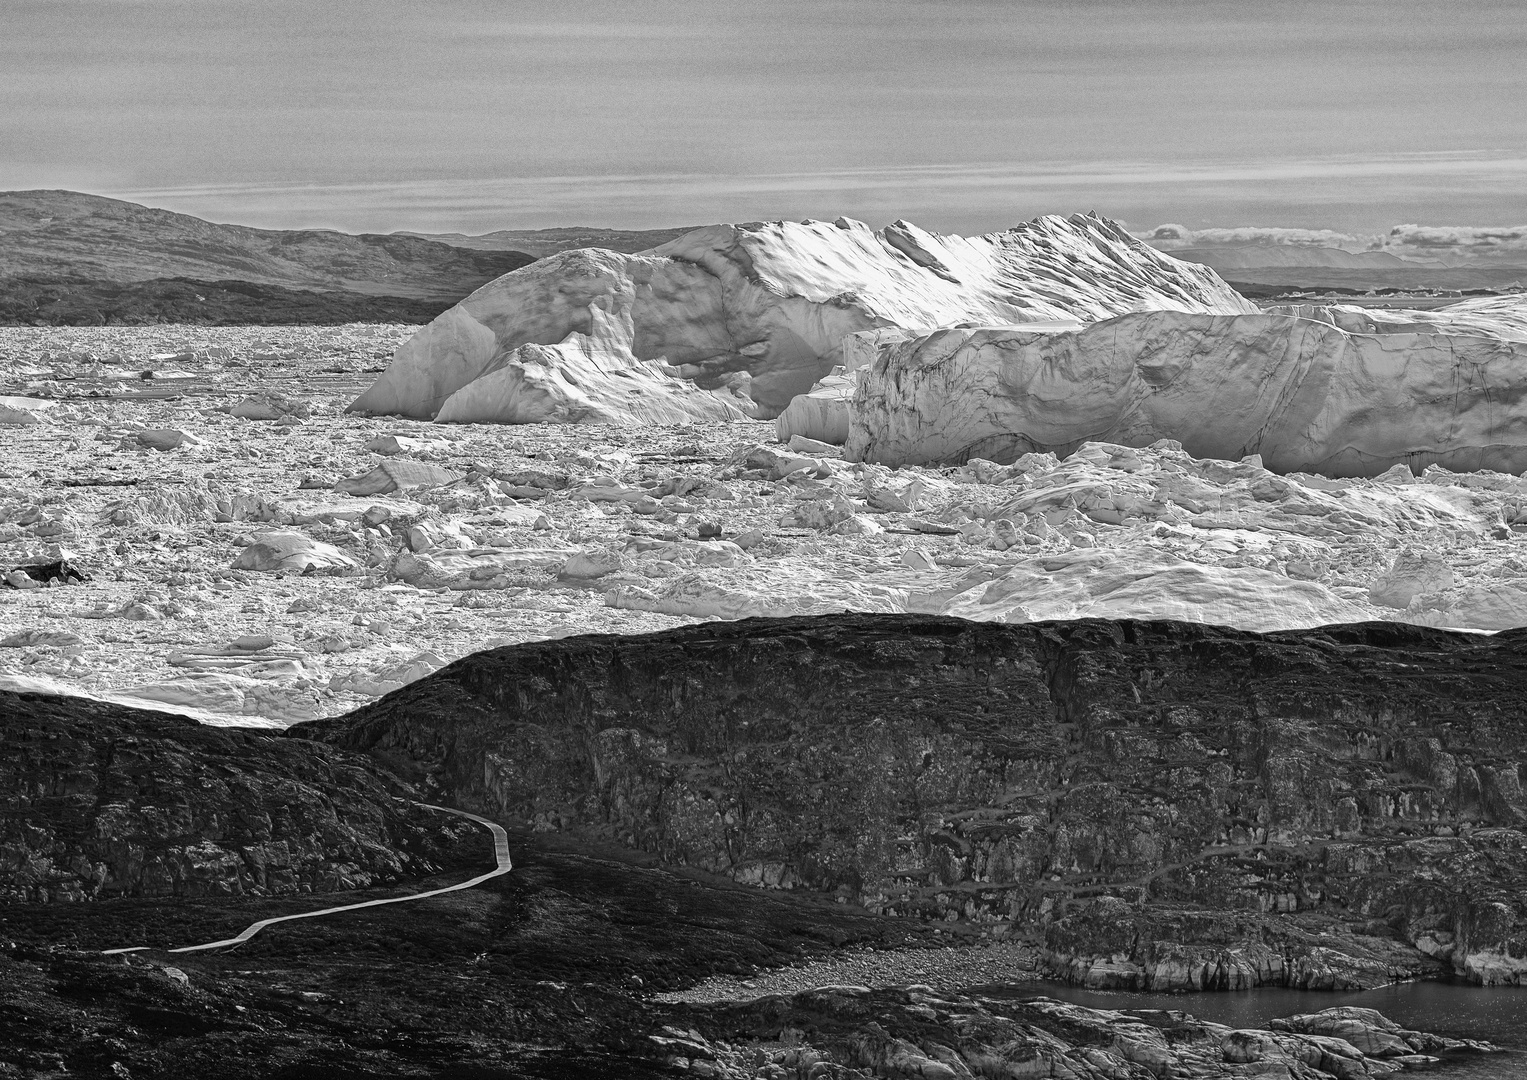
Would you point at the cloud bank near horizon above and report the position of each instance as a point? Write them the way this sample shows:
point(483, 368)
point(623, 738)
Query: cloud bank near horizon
point(1174, 237)
point(1461, 245)
point(1438, 245)
point(1460, 241)
point(950, 198)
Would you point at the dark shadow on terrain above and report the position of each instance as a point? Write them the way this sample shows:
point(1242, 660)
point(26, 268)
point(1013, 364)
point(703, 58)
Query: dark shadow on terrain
point(67, 301)
point(1181, 805)
point(543, 973)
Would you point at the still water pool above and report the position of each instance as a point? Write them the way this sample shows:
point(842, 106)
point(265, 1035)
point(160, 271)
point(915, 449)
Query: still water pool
point(1458, 1010)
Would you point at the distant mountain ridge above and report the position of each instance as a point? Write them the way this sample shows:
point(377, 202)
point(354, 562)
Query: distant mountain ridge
point(544, 242)
point(41, 300)
point(1263, 265)
point(89, 238)
point(71, 258)
point(1405, 278)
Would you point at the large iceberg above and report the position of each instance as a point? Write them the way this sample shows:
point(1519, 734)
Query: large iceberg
point(1338, 392)
point(745, 317)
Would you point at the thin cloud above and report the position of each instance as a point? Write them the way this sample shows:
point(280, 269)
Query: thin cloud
point(532, 31)
point(1459, 245)
point(957, 197)
point(1459, 240)
point(1171, 237)
point(1041, 174)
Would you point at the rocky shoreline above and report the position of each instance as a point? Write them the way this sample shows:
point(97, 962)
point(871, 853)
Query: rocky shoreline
point(915, 1031)
point(577, 965)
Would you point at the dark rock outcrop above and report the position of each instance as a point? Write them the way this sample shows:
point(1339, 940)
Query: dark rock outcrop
point(886, 759)
point(98, 800)
point(549, 972)
point(850, 1031)
point(1168, 805)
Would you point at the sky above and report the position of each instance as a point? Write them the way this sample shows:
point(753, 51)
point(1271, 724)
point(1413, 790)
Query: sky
point(960, 115)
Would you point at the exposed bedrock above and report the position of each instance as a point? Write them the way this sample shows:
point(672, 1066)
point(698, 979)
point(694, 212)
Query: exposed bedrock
point(99, 800)
point(916, 1031)
point(760, 311)
point(1166, 805)
point(1304, 394)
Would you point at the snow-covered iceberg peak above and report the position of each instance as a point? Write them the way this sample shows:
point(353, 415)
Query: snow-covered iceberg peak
point(761, 310)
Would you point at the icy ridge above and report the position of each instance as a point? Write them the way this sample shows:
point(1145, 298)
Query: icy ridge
point(1304, 394)
point(760, 311)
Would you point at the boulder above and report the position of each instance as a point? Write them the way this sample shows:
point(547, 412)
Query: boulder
point(1368, 1030)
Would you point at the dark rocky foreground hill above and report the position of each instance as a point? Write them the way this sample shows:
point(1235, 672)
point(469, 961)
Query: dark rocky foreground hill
point(1162, 805)
point(1147, 804)
point(64, 250)
point(105, 801)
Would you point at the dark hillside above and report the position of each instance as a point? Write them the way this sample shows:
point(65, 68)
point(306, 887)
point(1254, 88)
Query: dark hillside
point(67, 234)
point(60, 301)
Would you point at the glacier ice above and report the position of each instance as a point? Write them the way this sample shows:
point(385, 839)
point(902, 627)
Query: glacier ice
point(1302, 392)
point(753, 315)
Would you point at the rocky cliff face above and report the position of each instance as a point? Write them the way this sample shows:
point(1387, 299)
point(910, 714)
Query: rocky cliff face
point(100, 800)
point(1166, 805)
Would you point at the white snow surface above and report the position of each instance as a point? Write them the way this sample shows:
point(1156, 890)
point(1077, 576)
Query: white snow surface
point(1503, 317)
point(757, 313)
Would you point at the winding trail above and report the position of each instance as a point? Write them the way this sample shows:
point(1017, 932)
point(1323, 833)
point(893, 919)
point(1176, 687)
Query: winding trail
point(500, 852)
